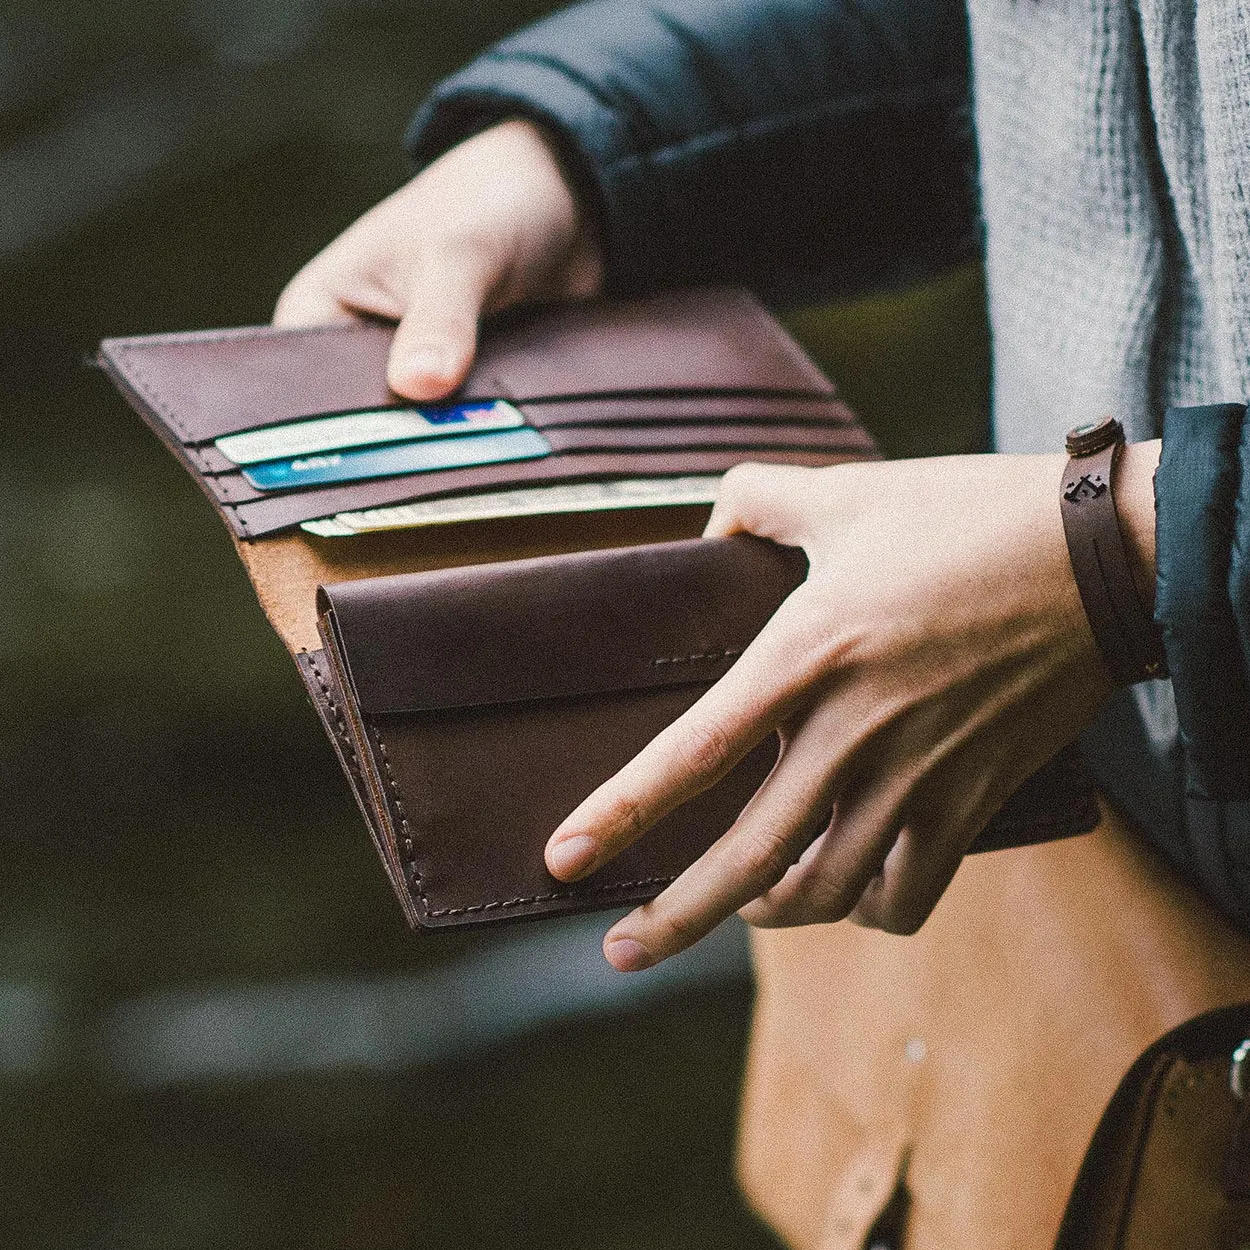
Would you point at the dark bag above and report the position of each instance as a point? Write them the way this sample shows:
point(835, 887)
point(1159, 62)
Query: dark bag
point(1169, 1164)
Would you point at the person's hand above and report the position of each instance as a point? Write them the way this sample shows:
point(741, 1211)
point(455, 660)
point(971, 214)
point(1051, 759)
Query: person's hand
point(937, 655)
point(490, 224)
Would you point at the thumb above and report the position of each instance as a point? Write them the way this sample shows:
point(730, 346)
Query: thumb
point(762, 499)
point(437, 337)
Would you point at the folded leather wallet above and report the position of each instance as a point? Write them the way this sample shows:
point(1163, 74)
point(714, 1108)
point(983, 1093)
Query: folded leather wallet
point(473, 697)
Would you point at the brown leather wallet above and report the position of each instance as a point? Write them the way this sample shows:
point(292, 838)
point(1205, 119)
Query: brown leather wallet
point(478, 680)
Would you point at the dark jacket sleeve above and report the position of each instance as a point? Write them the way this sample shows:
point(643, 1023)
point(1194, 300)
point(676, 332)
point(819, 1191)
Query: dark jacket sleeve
point(1202, 605)
point(805, 148)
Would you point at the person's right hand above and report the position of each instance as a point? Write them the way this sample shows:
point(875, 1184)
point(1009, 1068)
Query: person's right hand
point(490, 224)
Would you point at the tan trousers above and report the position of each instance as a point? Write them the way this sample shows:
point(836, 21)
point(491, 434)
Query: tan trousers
point(988, 1044)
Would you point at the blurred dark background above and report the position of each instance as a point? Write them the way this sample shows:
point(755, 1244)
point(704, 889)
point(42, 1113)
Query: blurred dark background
point(214, 1029)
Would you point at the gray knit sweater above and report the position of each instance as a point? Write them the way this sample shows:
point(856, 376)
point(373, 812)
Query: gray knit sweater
point(1115, 155)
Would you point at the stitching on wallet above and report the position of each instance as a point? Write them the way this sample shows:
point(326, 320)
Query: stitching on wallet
point(553, 896)
point(726, 654)
point(235, 511)
point(410, 859)
point(335, 711)
point(140, 379)
point(409, 846)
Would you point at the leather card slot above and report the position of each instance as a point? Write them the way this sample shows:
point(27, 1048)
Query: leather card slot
point(201, 385)
point(742, 437)
point(253, 518)
point(778, 420)
point(622, 440)
point(556, 626)
point(210, 461)
point(679, 409)
point(715, 339)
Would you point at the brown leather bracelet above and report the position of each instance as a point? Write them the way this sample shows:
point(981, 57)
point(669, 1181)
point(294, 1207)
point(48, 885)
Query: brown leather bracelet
point(1115, 605)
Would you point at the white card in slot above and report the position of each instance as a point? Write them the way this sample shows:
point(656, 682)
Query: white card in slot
point(366, 429)
point(621, 493)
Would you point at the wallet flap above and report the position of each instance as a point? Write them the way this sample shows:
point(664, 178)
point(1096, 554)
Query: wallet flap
point(204, 384)
point(554, 627)
point(707, 340)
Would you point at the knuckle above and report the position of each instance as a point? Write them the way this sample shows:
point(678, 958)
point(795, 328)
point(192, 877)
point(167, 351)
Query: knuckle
point(706, 751)
point(626, 817)
point(902, 919)
point(791, 913)
point(821, 897)
point(830, 900)
point(763, 855)
point(770, 918)
point(677, 931)
point(762, 914)
point(902, 923)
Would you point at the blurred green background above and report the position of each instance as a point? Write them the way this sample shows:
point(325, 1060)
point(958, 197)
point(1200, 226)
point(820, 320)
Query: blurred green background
point(214, 1029)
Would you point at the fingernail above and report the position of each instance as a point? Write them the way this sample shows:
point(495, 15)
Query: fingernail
point(571, 857)
point(626, 955)
point(429, 362)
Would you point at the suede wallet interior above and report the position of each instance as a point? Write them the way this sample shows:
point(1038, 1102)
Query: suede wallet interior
point(478, 680)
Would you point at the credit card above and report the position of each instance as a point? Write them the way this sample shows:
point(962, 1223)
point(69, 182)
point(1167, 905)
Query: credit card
point(643, 492)
point(423, 456)
point(365, 429)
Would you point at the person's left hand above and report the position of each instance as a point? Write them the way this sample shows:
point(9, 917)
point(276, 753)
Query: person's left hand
point(936, 657)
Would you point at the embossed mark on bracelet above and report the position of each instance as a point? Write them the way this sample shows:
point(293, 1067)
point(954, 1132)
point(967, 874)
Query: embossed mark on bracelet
point(1087, 487)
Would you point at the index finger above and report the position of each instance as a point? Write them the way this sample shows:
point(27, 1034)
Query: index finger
point(699, 748)
point(305, 302)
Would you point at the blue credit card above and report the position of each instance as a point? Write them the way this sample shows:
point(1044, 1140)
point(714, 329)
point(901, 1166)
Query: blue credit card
point(423, 456)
